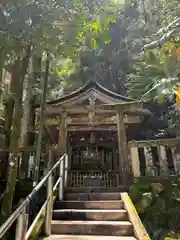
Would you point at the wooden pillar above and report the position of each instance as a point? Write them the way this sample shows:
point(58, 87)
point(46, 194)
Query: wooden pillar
point(111, 159)
point(115, 164)
point(62, 134)
point(69, 154)
point(176, 159)
point(150, 169)
point(103, 156)
point(122, 146)
point(135, 163)
point(163, 161)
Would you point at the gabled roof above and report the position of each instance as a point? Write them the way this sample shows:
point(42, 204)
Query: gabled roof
point(91, 85)
point(92, 93)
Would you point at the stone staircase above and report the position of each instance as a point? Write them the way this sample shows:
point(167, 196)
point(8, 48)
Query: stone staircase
point(91, 215)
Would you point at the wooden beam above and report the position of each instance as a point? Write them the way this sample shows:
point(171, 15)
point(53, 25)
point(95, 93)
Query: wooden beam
point(99, 120)
point(62, 133)
point(176, 159)
point(52, 122)
point(133, 106)
point(135, 162)
point(49, 133)
point(164, 171)
point(69, 151)
point(154, 143)
point(102, 144)
point(104, 121)
point(149, 161)
point(91, 128)
point(122, 145)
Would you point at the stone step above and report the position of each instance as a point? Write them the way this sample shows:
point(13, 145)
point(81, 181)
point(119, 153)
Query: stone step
point(85, 237)
point(90, 214)
point(95, 189)
point(109, 228)
point(88, 205)
point(92, 196)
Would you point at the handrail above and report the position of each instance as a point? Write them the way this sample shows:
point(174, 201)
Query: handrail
point(36, 219)
point(21, 209)
point(139, 229)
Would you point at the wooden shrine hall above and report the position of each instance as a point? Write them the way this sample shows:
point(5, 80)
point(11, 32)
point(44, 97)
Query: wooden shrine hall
point(93, 125)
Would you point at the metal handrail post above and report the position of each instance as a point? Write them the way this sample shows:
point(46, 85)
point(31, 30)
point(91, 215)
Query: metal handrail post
point(21, 226)
point(48, 215)
point(66, 171)
point(61, 175)
point(19, 210)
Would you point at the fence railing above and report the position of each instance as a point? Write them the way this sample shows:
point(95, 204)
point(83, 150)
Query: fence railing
point(96, 178)
point(155, 157)
point(21, 215)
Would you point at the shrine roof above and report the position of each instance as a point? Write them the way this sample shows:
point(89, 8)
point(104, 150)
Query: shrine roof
point(91, 85)
point(94, 94)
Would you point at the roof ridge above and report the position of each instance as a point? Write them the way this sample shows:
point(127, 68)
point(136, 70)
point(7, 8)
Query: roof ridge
point(87, 86)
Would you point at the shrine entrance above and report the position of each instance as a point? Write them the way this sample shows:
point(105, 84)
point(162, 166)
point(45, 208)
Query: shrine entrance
point(94, 160)
point(93, 125)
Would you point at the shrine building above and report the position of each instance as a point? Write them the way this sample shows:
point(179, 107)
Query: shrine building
point(94, 124)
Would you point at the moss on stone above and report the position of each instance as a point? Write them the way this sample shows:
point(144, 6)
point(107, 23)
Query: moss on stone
point(137, 189)
point(38, 226)
point(163, 214)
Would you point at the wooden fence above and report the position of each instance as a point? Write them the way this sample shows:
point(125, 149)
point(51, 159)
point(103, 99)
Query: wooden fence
point(155, 157)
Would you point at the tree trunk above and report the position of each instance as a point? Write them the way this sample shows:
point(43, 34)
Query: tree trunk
point(28, 120)
point(41, 122)
point(26, 110)
point(32, 121)
point(6, 206)
point(8, 109)
point(2, 61)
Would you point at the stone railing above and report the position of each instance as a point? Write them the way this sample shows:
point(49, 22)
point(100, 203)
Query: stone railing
point(155, 157)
